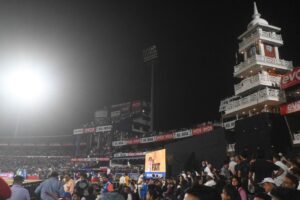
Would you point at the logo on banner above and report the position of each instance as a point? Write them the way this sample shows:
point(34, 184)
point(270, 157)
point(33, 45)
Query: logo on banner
point(290, 108)
point(103, 128)
point(78, 131)
point(183, 134)
point(291, 78)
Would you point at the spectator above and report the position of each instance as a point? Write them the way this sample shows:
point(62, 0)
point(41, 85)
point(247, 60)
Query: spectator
point(268, 184)
point(82, 185)
point(277, 161)
point(201, 193)
point(262, 196)
point(69, 184)
point(262, 168)
point(237, 185)
point(18, 191)
point(230, 193)
point(50, 187)
point(290, 181)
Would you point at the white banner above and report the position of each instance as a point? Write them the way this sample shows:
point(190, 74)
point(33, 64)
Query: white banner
point(119, 143)
point(78, 131)
point(147, 139)
point(102, 129)
point(183, 134)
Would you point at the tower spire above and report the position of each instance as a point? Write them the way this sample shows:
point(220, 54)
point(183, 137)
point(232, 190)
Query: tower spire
point(256, 14)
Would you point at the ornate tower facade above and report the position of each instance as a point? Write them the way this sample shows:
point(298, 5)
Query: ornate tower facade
point(258, 75)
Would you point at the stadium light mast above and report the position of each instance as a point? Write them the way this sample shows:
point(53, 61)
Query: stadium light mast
point(150, 56)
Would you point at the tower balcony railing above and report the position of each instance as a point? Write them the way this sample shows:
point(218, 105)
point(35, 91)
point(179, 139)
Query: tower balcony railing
point(267, 94)
point(263, 61)
point(253, 81)
point(229, 125)
point(261, 35)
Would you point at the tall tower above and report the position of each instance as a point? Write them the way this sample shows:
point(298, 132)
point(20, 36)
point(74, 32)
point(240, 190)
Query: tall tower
point(258, 75)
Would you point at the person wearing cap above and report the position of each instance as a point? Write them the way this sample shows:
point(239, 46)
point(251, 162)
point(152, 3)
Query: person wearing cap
point(50, 187)
point(268, 184)
point(18, 191)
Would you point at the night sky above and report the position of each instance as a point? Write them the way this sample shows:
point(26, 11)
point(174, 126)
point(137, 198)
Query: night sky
point(95, 51)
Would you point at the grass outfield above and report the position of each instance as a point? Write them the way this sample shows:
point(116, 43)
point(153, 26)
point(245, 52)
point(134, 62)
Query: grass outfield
point(10, 181)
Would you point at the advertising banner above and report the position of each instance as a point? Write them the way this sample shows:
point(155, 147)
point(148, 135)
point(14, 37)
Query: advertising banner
point(89, 159)
point(147, 139)
point(155, 164)
point(290, 108)
point(290, 79)
point(6, 175)
point(90, 130)
point(119, 143)
point(182, 134)
point(78, 131)
point(164, 137)
point(102, 129)
point(201, 130)
point(132, 154)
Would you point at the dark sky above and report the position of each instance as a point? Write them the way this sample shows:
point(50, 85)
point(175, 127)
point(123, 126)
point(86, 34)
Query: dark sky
point(95, 51)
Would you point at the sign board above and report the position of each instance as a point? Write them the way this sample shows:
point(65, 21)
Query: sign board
point(155, 164)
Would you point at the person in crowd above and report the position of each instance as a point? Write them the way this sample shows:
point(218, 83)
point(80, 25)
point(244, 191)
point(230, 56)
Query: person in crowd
point(69, 184)
point(127, 193)
point(235, 182)
point(67, 196)
point(111, 196)
point(282, 193)
point(50, 187)
point(268, 184)
point(140, 182)
point(127, 179)
point(201, 192)
point(242, 169)
point(277, 161)
point(232, 165)
point(144, 189)
point(290, 181)
point(230, 193)
point(5, 191)
point(108, 186)
point(210, 180)
point(261, 168)
point(296, 172)
point(225, 170)
point(262, 196)
point(122, 180)
point(82, 185)
point(18, 191)
point(91, 195)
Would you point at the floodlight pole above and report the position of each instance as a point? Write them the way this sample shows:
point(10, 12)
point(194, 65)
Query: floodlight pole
point(17, 127)
point(150, 57)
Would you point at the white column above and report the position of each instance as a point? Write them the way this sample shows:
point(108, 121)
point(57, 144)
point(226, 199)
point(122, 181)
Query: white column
point(276, 53)
point(245, 55)
point(261, 48)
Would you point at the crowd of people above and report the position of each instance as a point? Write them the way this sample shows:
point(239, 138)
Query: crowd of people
point(242, 177)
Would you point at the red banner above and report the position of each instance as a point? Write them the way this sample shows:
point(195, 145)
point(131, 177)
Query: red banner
point(291, 78)
point(90, 130)
point(201, 130)
point(164, 137)
point(290, 108)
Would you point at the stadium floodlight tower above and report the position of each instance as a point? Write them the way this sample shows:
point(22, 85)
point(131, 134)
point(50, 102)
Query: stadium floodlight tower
point(150, 56)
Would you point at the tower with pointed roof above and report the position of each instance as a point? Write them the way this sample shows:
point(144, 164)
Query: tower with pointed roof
point(258, 75)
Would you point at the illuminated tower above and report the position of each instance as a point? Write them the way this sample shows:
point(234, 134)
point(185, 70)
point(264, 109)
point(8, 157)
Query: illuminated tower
point(258, 75)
